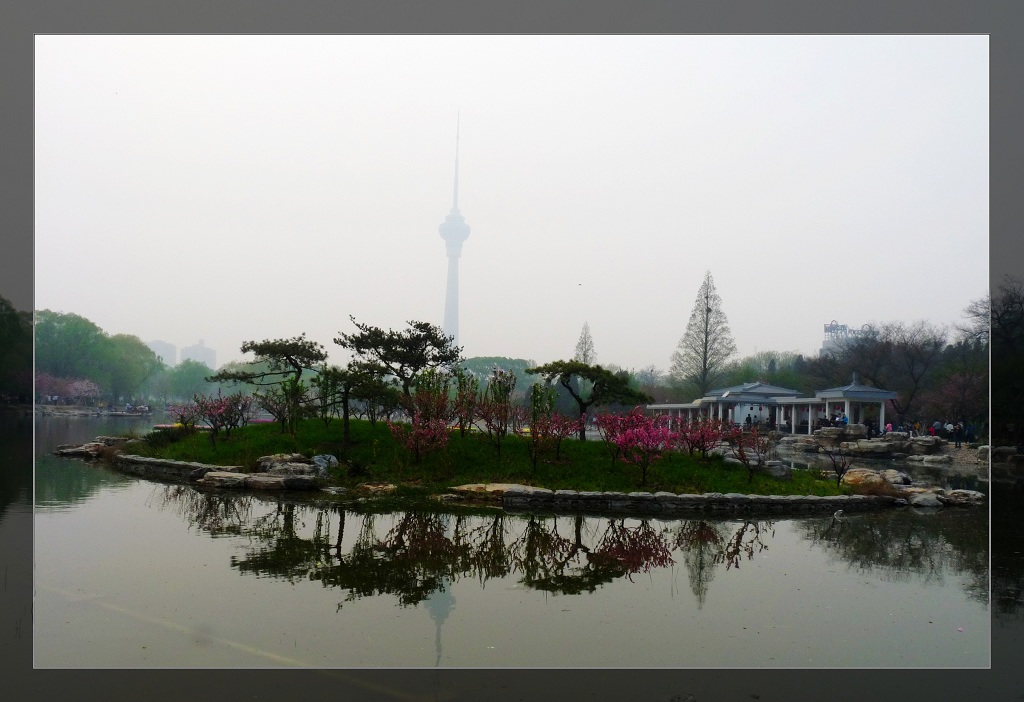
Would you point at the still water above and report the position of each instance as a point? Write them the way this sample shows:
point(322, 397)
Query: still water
point(134, 573)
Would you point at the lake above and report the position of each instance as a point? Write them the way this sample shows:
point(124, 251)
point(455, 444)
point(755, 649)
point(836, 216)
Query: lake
point(135, 573)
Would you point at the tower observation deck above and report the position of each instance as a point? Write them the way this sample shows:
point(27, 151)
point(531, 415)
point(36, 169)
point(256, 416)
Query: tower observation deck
point(454, 231)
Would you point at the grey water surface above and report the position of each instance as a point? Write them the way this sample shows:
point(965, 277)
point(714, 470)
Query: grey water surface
point(135, 573)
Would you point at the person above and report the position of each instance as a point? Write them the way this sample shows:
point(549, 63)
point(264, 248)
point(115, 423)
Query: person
point(917, 428)
point(888, 427)
point(845, 420)
point(958, 431)
point(931, 429)
point(748, 421)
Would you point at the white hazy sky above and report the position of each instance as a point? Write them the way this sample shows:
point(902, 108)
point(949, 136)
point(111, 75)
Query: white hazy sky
point(252, 187)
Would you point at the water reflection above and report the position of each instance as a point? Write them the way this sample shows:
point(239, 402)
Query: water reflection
point(895, 546)
point(62, 483)
point(415, 555)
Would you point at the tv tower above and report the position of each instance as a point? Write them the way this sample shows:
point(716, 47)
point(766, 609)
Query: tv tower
point(454, 231)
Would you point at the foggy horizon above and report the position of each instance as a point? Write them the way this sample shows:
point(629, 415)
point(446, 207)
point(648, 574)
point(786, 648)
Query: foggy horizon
point(233, 188)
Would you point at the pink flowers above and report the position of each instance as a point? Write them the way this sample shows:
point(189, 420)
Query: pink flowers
point(640, 440)
point(222, 412)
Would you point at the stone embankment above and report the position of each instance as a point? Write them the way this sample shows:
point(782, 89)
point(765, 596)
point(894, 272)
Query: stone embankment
point(515, 497)
point(276, 472)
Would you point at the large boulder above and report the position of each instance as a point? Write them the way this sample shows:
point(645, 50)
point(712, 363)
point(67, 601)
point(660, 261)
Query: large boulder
point(294, 469)
point(926, 445)
point(265, 463)
point(262, 481)
point(896, 477)
point(863, 477)
point(925, 499)
point(963, 498)
point(223, 479)
point(89, 450)
point(324, 462)
point(778, 470)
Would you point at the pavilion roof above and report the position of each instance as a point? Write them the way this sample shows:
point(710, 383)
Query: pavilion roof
point(757, 390)
point(856, 391)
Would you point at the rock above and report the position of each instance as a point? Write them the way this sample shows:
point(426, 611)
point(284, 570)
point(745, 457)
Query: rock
point(262, 481)
point(324, 463)
point(941, 458)
point(223, 479)
point(485, 489)
point(896, 477)
point(925, 499)
point(963, 498)
point(335, 490)
point(90, 449)
point(983, 454)
point(293, 469)
point(778, 470)
point(378, 488)
point(299, 482)
point(265, 463)
point(925, 445)
point(863, 477)
point(199, 473)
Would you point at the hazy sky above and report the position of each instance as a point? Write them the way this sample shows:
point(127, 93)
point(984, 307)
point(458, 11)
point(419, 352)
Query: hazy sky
point(252, 187)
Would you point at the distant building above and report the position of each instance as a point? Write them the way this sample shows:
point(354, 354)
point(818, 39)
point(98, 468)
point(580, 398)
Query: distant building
point(200, 353)
point(837, 336)
point(167, 352)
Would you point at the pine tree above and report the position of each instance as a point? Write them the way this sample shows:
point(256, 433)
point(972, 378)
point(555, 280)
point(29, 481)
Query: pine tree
point(700, 357)
point(585, 352)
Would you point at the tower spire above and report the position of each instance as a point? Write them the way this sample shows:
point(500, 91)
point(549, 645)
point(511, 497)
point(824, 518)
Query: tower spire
point(454, 231)
point(455, 198)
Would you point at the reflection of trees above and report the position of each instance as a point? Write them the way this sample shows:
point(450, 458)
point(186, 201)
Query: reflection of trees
point(411, 561)
point(218, 514)
point(895, 546)
point(413, 554)
point(746, 541)
point(553, 563)
point(700, 541)
point(705, 546)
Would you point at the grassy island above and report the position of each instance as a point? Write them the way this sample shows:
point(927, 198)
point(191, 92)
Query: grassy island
point(373, 455)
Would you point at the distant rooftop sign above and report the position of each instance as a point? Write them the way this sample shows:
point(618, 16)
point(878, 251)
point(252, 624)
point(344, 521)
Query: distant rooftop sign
point(835, 330)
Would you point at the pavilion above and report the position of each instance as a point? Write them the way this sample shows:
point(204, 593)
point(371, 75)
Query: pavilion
point(781, 407)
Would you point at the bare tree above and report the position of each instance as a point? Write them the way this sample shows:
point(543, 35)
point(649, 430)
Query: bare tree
point(979, 318)
point(701, 356)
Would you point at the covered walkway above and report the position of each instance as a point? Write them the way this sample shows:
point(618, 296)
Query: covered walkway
point(782, 408)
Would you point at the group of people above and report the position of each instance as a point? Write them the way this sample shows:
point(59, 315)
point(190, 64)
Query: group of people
point(957, 431)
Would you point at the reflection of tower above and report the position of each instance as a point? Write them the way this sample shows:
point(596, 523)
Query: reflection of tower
point(454, 231)
point(440, 604)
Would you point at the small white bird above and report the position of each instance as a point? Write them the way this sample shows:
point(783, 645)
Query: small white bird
point(838, 516)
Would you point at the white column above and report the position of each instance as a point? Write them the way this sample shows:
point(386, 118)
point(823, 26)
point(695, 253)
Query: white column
point(881, 416)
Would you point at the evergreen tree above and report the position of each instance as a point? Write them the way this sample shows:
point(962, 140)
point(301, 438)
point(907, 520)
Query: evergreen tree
point(702, 353)
point(585, 352)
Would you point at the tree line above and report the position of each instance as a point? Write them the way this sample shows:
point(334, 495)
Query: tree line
point(937, 372)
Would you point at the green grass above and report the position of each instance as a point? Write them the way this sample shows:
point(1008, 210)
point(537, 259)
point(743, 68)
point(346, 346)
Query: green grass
point(374, 456)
